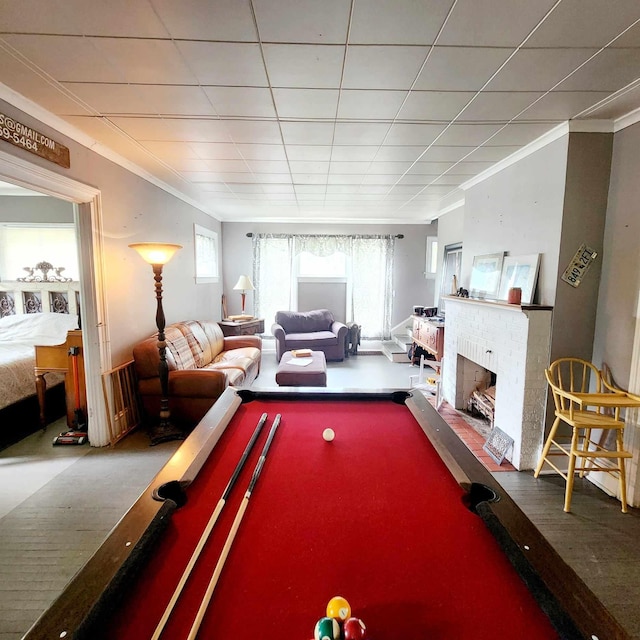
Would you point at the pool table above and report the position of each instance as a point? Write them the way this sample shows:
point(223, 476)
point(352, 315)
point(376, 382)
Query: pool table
point(395, 514)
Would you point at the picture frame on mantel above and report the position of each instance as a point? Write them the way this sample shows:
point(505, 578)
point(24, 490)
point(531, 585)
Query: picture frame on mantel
point(522, 272)
point(485, 276)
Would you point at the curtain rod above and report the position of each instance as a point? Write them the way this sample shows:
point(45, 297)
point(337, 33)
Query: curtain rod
point(399, 235)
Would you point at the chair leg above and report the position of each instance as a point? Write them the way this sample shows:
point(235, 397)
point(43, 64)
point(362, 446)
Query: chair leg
point(622, 472)
point(585, 462)
point(571, 471)
point(547, 446)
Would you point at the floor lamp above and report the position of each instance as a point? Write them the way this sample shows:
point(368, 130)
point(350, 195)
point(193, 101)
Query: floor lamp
point(157, 254)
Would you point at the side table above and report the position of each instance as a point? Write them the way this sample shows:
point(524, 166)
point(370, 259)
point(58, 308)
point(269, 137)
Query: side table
point(242, 328)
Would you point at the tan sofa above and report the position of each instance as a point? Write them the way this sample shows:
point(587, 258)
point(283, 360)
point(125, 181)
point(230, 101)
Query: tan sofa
point(202, 364)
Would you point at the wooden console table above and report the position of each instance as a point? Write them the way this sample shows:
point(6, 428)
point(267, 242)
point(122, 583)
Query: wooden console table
point(242, 328)
point(429, 334)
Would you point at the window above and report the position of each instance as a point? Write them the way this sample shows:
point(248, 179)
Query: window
point(206, 255)
point(333, 266)
point(452, 264)
point(432, 257)
point(25, 245)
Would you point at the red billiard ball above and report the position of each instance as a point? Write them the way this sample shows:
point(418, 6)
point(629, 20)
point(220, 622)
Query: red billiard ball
point(354, 629)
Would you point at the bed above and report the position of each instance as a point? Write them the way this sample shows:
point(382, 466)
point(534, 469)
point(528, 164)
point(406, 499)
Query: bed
point(18, 336)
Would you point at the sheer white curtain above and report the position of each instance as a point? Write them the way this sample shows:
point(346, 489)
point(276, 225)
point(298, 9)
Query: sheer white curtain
point(370, 275)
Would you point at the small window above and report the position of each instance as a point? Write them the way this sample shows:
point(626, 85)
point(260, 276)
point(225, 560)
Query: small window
point(206, 254)
point(431, 265)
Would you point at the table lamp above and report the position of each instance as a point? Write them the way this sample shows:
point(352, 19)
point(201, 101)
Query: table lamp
point(157, 254)
point(244, 284)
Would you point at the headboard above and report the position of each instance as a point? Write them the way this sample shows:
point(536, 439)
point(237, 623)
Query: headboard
point(40, 292)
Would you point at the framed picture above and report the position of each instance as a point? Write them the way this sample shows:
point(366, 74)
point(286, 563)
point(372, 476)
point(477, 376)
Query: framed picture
point(485, 276)
point(519, 271)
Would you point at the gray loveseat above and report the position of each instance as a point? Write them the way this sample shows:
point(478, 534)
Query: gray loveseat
point(316, 330)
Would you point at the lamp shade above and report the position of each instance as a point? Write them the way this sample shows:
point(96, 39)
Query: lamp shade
point(244, 284)
point(156, 252)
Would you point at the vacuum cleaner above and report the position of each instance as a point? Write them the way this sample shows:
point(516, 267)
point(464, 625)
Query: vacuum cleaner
point(78, 434)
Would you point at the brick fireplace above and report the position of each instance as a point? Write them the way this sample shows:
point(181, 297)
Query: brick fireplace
point(513, 342)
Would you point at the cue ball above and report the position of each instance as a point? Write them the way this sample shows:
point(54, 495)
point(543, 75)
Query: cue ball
point(328, 435)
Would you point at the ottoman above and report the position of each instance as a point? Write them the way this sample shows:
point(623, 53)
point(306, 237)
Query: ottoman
point(313, 374)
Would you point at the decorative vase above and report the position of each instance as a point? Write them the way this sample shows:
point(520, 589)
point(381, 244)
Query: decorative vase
point(515, 295)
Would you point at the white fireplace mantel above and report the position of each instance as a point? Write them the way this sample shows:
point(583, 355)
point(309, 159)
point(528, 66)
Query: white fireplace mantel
point(514, 342)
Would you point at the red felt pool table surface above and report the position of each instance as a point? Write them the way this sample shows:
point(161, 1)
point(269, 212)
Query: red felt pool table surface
point(379, 516)
point(374, 516)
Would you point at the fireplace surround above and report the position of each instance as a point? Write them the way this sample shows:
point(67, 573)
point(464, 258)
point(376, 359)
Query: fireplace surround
point(512, 341)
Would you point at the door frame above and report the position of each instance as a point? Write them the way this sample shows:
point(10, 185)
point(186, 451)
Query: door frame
point(88, 220)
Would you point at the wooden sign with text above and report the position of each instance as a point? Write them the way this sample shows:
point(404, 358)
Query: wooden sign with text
point(33, 141)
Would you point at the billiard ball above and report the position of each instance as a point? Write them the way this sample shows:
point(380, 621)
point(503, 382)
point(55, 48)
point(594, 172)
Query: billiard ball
point(354, 629)
point(327, 629)
point(328, 435)
point(339, 608)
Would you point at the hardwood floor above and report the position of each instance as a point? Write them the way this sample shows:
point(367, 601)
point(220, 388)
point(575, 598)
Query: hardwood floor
point(57, 505)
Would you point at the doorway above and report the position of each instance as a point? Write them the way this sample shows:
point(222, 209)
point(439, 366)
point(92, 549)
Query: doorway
point(88, 221)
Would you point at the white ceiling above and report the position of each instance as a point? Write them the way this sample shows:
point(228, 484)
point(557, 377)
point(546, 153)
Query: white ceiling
point(327, 110)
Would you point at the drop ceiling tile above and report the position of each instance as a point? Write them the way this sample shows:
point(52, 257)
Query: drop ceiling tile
point(399, 153)
point(306, 103)
point(67, 57)
point(104, 17)
point(412, 134)
point(460, 68)
point(379, 179)
point(388, 67)
point(388, 168)
point(434, 105)
point(302, 20)
point(29, 84)
point(469, 167)
point(446, 153)
point(360, 133)
point(253, 131)
point(468, 134)
point(629, 38)
point(351, 153)
point(309, 189)
point(279, 189)
point(225, 63)
point(309, 152)
point(584, 23)
point(521, 134)
point(298, 167)
point(493, 23)
point(309, 178)
point(304, 66)
point(272, 178)
point(370, 105)
point(219, 167)
point(307, 133)
point(254, 102)
point(262, 151)
point(173, 129)
point(430, 168)
point(344, 178)
point(349, 167)
point(221, 20)
point(623, 105)
point(499, 106)
point(393, 22)
point(171, 150)
point(494, 153)
point(184, 165)
point(562, 105)
point(538, 69)
point(111, 99)
point(268, 166)
point(342, 189)
point(215, 187)
point(610, 70)
point(236, 187)
point(144, 61)
point(210, 150)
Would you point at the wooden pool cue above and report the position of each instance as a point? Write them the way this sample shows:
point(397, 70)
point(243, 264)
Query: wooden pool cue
point(207, 531)
point(232, 534)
